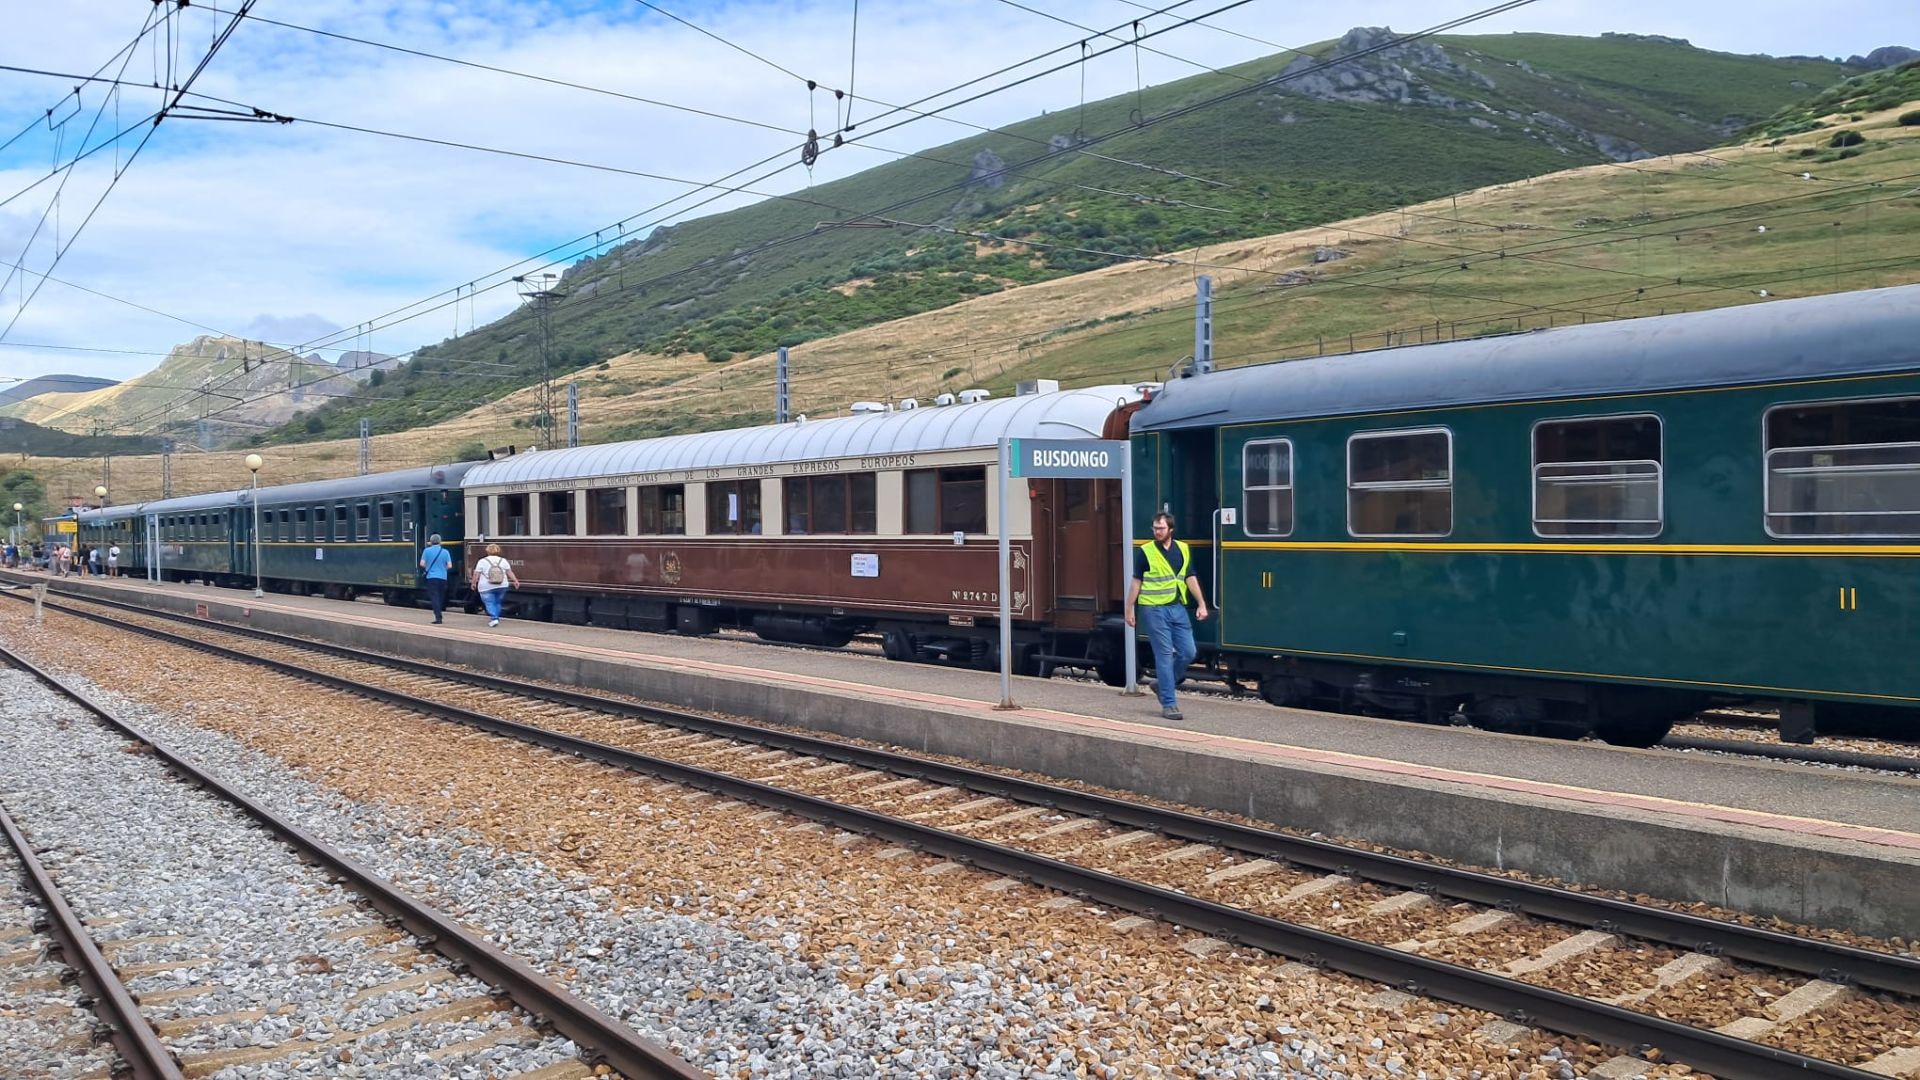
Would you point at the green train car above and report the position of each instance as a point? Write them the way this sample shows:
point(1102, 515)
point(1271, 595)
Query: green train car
point(1600, 529)
point(338, 538)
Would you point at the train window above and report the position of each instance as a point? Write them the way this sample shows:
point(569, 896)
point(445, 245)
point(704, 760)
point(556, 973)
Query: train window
point(340, 522)
point(733, 506)
point(863, 504)
point(831, 504)
point(406, 520)
point(300, 524)
point(362, 521)
point(1076, 497)
point(947, 500)
point(512, 520)
point(1400, 483)
point(386, 520)
point(663, 510)
point(607, 512)
point(482, 516)
point(1844, 469)
point(923, 501)
point(556, 513)
point(798, 505)
point(1266, 485)
point(1597, 477)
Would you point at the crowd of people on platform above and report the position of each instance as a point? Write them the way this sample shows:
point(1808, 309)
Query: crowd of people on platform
point(62, 559)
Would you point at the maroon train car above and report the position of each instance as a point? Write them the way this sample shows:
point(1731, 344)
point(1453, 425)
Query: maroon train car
point(814, 531)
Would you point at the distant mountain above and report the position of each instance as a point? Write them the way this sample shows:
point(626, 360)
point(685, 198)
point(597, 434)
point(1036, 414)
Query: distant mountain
point(1885, 56)
point(239, 387)
point(52, 384)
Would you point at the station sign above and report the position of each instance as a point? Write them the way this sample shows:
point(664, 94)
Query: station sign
point(1066, 459)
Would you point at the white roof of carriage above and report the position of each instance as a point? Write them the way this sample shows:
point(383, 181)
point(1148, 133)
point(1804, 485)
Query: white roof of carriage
point(1066, 414)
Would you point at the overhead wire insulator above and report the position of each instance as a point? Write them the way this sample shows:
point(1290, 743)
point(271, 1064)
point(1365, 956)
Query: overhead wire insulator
point(810, 150)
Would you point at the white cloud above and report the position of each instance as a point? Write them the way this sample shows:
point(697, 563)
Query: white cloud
point(283, 232)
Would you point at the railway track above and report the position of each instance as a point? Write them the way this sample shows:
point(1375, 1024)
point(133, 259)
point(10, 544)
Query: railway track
point(212, 950)
point(1396, 921)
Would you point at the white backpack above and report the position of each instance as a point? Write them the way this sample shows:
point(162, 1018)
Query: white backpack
point(496, 570)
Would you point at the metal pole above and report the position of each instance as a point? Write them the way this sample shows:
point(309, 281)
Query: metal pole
point(1203, 325)
point(1126, 570)
point(258, 592)
point(782, 402)
point(573, 414)
point(1006, 582)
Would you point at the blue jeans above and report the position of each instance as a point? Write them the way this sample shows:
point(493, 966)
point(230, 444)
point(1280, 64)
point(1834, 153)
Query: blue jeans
point(490, 599)
point(1170, 632)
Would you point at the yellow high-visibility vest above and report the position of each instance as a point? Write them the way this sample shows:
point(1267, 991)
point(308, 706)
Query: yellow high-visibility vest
point(1161, 585)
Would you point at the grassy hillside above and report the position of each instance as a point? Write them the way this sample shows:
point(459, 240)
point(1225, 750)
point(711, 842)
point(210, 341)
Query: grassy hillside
point(1475, 111)
point(1597, 242)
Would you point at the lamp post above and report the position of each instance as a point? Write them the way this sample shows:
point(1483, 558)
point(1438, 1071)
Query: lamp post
point(99, 492)
point(253, 467)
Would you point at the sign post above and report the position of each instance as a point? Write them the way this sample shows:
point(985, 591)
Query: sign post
point(1052, 459)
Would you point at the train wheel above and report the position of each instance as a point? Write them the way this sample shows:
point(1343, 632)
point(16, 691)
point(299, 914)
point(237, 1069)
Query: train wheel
point(896, 644)
point(1286, 691)
point(1635, 731)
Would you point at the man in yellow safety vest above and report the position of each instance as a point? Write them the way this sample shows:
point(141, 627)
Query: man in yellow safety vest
point(1162, 581)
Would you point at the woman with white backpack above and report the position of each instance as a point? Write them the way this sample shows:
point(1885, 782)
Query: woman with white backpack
point(492, 577)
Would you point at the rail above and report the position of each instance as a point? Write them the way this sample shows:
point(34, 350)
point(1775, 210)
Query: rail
point(604, 1039)
point(1711, 1051)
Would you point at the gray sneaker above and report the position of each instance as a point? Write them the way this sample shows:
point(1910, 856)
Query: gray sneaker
point(1171, 714)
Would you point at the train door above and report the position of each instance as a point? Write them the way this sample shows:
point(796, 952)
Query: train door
point(1191, 494)
point(1080, 517)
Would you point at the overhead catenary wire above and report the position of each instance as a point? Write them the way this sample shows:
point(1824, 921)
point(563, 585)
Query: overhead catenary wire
point(178, 90)
point(402, 312)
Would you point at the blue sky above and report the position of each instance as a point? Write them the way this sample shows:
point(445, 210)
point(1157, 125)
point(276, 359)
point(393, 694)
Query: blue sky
point(297, 234)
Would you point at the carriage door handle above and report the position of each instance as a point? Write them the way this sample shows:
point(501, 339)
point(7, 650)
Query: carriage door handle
point(1226, 515)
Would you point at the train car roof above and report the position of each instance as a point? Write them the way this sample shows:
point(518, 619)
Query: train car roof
point(1063, 414)
point(1852, 333)
point(399, 481)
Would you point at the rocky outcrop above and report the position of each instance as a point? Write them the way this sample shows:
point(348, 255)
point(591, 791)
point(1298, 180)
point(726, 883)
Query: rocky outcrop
point(1885, 56)
point(1368, 66)
point(988, 170)
point(1388, 75)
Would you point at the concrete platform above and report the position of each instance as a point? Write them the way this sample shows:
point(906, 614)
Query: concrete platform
point(1816, 846)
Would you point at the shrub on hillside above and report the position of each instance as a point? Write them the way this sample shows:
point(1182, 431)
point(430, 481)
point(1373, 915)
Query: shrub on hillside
point(1846, 138)
point(1910, 119)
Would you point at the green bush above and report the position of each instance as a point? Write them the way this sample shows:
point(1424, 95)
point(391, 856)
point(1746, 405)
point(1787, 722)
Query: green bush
point(719, 356)
point(1846, 138)
point(471, 450)
point(1910, 119)
point(316, 424)
point(376, 377)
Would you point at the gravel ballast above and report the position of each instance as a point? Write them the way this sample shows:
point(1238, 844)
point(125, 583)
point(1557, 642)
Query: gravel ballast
point(183, 892)
point(759, 946)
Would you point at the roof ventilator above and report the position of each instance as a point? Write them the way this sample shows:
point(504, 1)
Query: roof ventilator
point(968, 397)
point(1030, 387)
point(943, 399)
point(863, 408)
